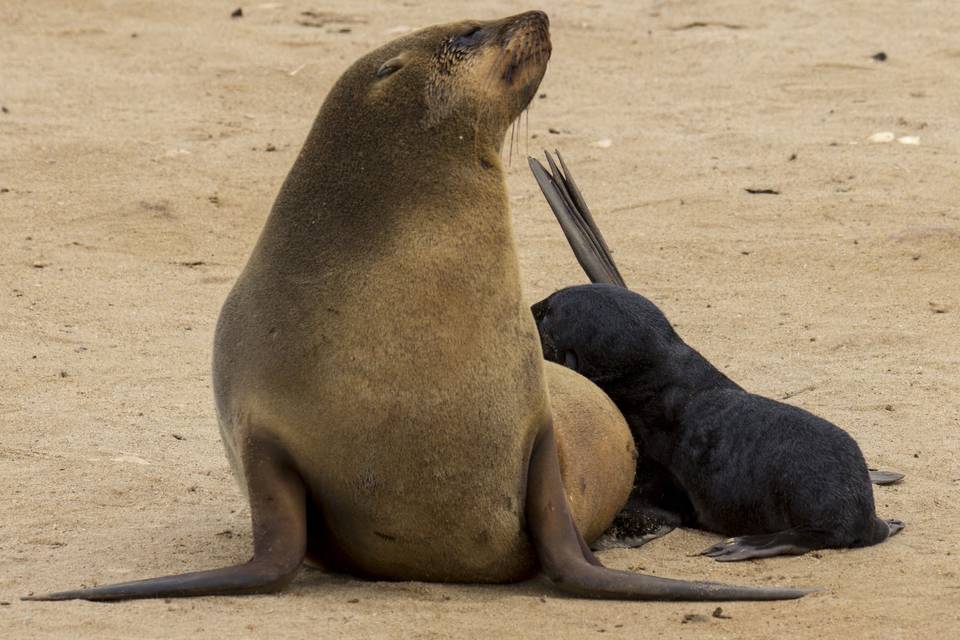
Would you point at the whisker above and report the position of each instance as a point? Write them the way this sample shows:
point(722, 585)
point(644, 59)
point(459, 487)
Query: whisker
point(526, 148)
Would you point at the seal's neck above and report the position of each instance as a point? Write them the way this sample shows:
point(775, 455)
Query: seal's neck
point(353, 190)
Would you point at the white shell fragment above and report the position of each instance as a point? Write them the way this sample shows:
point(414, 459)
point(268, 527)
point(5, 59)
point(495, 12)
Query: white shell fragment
point(909, 139)
point(882, 136)
point(606, 143)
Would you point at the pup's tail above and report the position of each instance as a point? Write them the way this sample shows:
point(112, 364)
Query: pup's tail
point(577, 223)
point(881, 530)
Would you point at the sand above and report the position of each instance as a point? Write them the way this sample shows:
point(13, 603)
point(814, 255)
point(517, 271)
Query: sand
point(143, 143)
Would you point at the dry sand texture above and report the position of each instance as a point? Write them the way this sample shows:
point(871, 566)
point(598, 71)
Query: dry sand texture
point(141, 146)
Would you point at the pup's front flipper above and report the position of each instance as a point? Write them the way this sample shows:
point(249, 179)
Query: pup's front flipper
point(635, 526)
point(792, 542)
point(616, 539)
point(885, 477)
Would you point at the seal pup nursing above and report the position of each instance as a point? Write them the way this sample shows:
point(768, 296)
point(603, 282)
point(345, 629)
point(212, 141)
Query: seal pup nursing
point(378, 377)
point(781, 479)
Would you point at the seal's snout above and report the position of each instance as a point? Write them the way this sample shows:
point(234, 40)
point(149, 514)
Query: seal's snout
point(531, 28)
point(526, 50)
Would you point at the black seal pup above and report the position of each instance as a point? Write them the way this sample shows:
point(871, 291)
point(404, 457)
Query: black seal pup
point(781, 479)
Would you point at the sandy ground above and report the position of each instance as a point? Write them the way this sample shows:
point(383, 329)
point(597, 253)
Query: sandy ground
point(141, 145)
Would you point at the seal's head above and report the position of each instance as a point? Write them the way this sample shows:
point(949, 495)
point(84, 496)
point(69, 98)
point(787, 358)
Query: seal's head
point(413, 132)
point(468, 79)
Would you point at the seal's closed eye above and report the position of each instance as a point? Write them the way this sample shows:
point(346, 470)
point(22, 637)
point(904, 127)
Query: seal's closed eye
point(390, 66)
point(469, 39)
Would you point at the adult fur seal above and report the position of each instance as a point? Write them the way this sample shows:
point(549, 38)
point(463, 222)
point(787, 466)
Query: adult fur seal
point(378, 377)
point(791, 481)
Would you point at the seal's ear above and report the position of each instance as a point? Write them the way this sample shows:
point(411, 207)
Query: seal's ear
point(390, 66)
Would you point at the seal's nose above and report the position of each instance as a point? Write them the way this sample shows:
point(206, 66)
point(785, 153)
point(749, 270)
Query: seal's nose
point(538, 16)
point(530, 19)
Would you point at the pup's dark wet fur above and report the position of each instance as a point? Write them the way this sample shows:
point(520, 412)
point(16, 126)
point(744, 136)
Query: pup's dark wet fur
point(778, 477)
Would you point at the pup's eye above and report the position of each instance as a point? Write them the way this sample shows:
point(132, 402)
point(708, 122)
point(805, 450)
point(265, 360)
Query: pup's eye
point(570, 360)
point(468, 39)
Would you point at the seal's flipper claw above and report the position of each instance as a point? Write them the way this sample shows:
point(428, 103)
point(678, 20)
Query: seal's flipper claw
point(715, 549)
point(555, 538)
point(589, 250)
point(885, 477)
point(278, 509)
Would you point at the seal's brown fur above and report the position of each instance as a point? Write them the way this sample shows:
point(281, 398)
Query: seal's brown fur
point(379, 331)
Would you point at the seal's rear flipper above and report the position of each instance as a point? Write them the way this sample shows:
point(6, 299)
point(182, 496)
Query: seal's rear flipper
point(885, 477)
point(278, 509)
point(577, 222)
point(574, 570)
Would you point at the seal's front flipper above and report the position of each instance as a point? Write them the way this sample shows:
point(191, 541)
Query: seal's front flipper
point(885, 477)
point(565, 562)
point(577, 223)
point(792, 542)
point(278, 509)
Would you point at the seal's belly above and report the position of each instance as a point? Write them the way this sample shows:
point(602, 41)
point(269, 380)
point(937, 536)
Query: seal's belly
point(417, 457)
point(425, 486)
point(421, 515)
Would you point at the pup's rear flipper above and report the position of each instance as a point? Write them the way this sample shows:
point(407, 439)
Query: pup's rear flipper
point(577, 223)
point(885, 477)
